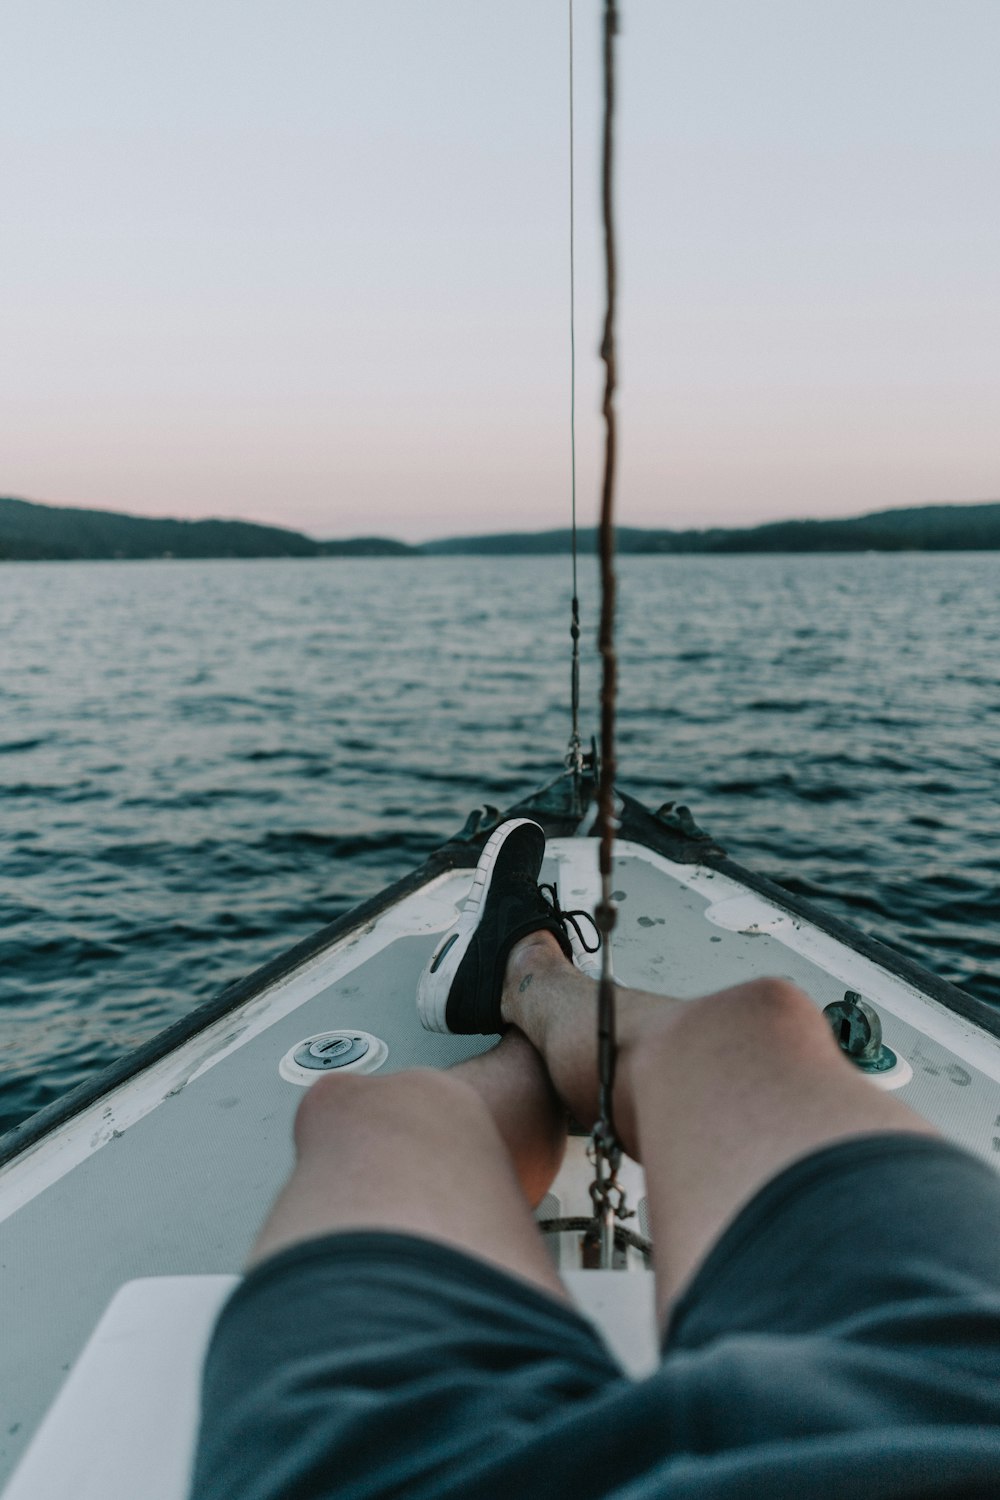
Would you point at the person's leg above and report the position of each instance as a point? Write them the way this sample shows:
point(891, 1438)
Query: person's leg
point(423, 1356)
point(458, 1156)
point(714, 1096)
point(555, 1006)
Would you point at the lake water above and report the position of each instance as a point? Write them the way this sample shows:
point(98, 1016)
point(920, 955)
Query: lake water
point(201, 763)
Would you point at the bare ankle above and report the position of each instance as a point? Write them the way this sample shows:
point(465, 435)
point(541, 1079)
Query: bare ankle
point(537, 954)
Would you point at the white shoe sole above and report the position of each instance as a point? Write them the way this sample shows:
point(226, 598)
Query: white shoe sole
point(436, 981)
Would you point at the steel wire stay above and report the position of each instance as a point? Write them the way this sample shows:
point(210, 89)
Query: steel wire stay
point(574, 754)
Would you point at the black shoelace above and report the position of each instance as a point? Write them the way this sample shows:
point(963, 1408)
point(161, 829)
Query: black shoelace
point(550, 896)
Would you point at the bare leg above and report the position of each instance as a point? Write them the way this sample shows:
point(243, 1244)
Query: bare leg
point(556, 1008)
point(458, 1157)
point(513, 1083)
point(715, 1096)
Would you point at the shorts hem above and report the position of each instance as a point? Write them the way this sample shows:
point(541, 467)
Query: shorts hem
point(797, 1182)
point(390, 1247)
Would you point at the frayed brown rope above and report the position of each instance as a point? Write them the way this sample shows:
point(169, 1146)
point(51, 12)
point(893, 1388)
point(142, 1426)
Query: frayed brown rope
point(605, 913)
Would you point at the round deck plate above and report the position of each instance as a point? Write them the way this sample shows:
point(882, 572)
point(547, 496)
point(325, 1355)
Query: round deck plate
point(345, 1051)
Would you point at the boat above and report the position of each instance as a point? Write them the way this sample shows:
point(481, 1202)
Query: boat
point(128, 1207)
point(149, 1181)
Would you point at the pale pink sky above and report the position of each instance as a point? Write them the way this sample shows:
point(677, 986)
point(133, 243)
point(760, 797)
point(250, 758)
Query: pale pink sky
point(308, 264)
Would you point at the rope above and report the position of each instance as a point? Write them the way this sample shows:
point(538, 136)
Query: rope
point(574, 758)
point(606, 1148)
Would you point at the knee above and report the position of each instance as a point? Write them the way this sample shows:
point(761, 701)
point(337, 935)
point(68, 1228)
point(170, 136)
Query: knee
point(336, 1104)
point(771, 1006)
point(768, 1017)
point(327, 1104)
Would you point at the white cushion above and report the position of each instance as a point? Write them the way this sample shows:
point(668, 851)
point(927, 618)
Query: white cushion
point(124, 1425)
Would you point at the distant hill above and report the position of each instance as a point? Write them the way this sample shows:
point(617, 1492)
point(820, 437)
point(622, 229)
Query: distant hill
point(926, 528)
point(930, 528)
point(366, 546)
point(541, 543)
point(31, 532)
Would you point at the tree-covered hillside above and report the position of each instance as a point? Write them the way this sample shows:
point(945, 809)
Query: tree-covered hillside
point(31, 532)
point(35, 532)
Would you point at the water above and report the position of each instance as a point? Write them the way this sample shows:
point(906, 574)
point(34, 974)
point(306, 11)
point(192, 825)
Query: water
point(201, 763)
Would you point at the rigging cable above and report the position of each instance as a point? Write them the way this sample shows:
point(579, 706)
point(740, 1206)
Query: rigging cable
point(574, 756)
point(605, 1144)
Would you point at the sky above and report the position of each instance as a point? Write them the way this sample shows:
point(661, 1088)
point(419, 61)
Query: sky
point(308, 263)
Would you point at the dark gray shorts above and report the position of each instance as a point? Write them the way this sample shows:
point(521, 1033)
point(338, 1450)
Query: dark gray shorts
point(841, 1339)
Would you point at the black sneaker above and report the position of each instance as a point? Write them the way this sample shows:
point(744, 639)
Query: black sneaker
point(460, 989)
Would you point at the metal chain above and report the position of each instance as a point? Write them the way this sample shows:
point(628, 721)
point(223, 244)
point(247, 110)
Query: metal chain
point(605, 1191)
